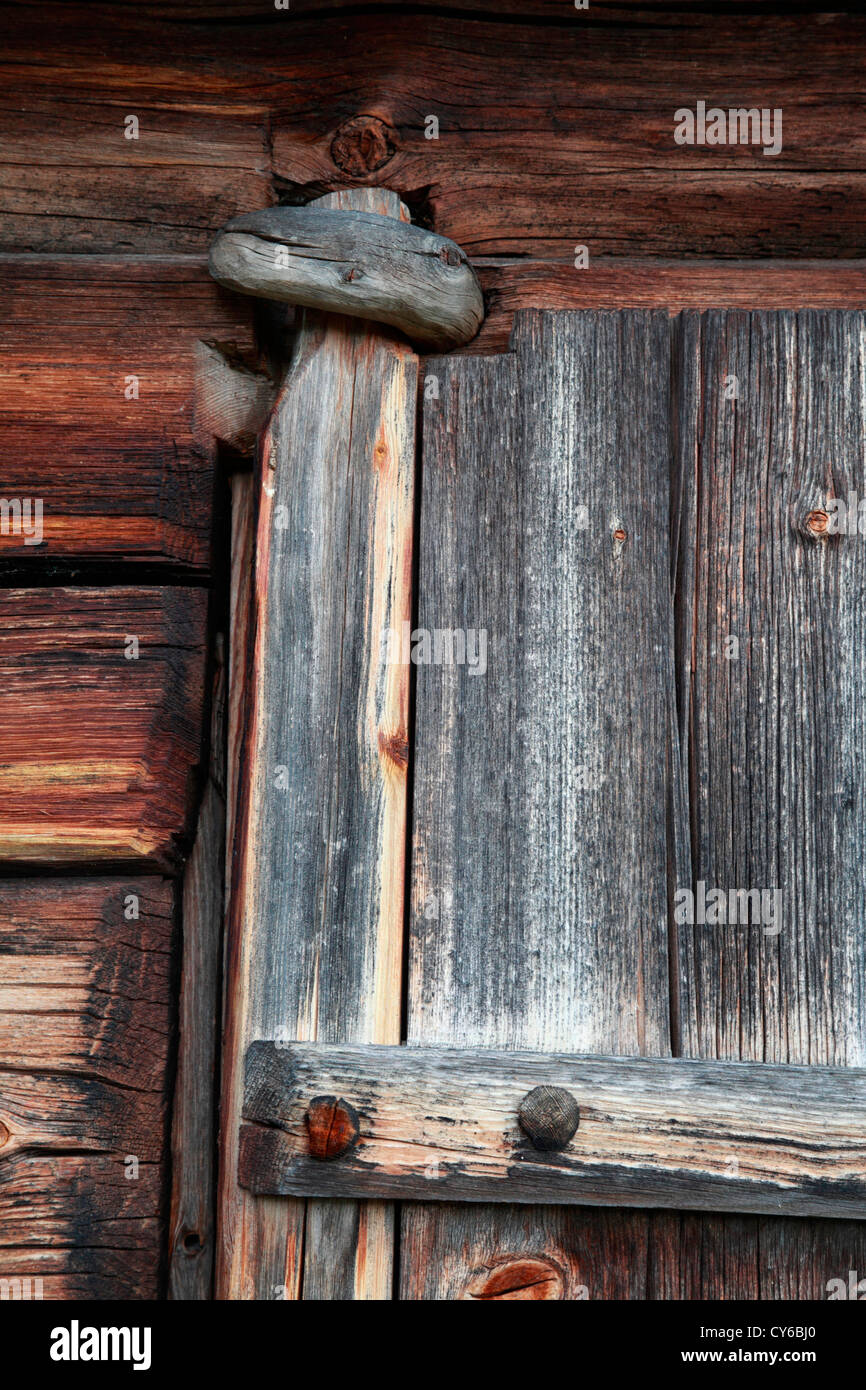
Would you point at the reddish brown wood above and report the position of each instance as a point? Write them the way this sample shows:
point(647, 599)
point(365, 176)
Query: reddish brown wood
point(105, 362)
point(72, 179)
point(581, 105)
point(86, 1019)
point(620, 282)
point(100, 751)
point(525, 1280)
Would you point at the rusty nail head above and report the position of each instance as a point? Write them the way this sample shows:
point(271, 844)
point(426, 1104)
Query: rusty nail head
point(333, 1127)
point(549, 1116)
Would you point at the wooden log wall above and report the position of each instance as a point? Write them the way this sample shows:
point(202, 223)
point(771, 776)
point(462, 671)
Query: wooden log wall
point(234, 114)
point(129, 134)
point(86, 1027)
point(118, 378)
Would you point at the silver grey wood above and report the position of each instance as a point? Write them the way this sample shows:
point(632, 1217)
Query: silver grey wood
point(354, 262)
point(772, 658)
point(438, 1123)
point(543, 786)
point(546, 791)
point(319, 833)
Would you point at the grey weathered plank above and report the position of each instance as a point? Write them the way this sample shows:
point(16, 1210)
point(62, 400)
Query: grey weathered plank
point(540, 855)
point(440, 1123)
point(778, 741)
point(317, 895)
point(349, 261)
point(544, 794)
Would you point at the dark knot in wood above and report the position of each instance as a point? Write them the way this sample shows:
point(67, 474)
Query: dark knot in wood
point(4, 1134)
point(549, 1117)
point(333, 1127)
point(817, 522)
point(394, 749)
point(529, 1278)
point(363, 145)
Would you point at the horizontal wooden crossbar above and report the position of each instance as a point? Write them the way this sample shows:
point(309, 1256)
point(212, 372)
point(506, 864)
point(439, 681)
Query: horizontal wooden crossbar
point(442, 1124)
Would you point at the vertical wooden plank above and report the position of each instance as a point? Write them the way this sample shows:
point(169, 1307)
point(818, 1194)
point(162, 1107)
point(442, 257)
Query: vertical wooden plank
point(772, 661)
point(317, 899)
point(191, 1233)
point(776, 676)
point(544, 791)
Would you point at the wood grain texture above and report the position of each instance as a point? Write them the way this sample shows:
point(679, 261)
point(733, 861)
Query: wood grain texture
point(74, 182)
point(542, 818)
point(622, 282)
point(316, 921)
point(774, 715)
point(110, 365)
point(192, 1235)
point(743, 564)
point(235, 1207)
point(86, 1021)
point(774, 734)
point(557, 451)
point(100, 751)
point(442, 1123)
point(347, 261)
point(529, 1253)
point(237, 116)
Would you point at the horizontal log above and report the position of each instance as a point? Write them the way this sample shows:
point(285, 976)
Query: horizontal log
point(622, 282)
point(442, 1124)
point(85, 986)
point(190, 169)
point(237, 115)
point(101, 695)
point(123, 371)
point(358, 263)
point(86, 1030)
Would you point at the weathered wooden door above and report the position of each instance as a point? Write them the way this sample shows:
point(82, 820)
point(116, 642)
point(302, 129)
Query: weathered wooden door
point(635, 819)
